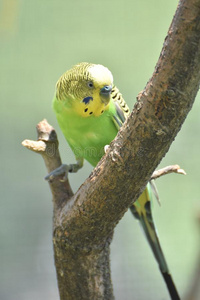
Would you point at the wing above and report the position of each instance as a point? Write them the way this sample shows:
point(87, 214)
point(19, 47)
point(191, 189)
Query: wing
point(122, 109)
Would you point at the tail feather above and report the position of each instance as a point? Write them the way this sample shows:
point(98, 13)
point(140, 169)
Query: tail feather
point(171, 286)
point(141, 210)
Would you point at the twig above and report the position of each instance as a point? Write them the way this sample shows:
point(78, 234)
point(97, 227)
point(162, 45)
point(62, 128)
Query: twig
point(36, 146)
point(167, 170)
point(47, 146)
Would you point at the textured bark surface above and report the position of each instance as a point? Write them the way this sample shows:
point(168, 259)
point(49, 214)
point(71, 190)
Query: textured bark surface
point(84, 222)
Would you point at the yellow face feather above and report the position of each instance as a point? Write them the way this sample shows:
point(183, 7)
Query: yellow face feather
point(86, 88)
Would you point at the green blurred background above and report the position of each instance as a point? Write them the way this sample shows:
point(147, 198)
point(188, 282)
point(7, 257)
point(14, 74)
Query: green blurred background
point(39, 41)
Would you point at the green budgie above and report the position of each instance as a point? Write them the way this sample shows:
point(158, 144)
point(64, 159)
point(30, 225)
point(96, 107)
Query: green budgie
point(90, 110)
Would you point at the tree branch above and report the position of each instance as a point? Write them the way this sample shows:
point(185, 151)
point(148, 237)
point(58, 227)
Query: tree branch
point(82, 273)
point(84, 223)
point(167, 170)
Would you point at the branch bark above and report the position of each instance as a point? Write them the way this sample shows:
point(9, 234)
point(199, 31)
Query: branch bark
point(84, 222)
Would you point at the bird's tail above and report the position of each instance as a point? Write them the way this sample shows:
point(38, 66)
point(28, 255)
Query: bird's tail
point(141, 210)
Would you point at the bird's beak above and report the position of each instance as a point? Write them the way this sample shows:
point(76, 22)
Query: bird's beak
point(105, 93)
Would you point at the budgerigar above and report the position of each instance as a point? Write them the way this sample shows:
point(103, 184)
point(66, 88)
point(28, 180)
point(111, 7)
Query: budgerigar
point(90, 110)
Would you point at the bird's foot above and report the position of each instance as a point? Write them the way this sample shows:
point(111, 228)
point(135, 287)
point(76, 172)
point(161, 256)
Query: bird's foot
point(63, 169)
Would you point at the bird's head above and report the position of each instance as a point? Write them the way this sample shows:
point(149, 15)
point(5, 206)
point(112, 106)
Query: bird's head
point(87, 88)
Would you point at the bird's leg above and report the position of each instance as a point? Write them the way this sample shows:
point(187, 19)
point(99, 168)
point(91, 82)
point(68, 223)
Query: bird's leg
point(65, 169)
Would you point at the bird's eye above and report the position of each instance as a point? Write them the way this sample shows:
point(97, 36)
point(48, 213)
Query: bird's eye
point(90, 84)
